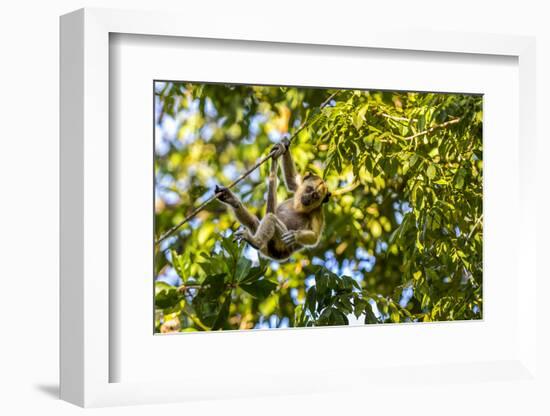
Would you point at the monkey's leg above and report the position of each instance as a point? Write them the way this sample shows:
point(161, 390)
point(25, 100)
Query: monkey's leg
point(270, 227)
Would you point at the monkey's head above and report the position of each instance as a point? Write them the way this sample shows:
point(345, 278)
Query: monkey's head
point(311, 193)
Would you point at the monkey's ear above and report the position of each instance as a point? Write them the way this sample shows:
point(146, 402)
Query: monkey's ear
point(327, 198)
point(307, 175)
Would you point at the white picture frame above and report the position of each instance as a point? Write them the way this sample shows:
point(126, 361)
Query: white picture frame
point(85, 212)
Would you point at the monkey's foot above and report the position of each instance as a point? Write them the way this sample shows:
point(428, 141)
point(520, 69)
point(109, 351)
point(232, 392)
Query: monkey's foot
point(244, 235)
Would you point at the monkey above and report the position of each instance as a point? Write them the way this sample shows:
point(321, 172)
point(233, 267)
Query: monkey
point(290, 226)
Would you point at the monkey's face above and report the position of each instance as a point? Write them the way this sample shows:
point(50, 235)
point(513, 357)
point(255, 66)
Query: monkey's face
point(311, 193)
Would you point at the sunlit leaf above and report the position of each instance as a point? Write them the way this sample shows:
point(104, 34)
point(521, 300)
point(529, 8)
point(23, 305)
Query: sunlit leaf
point(431, 171)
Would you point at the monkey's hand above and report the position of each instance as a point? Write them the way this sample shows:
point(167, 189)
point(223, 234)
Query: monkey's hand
point(289, 237)
point(280, 148)
point(225, 195)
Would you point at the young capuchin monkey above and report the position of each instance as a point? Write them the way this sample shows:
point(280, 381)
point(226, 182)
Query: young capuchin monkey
point(287, 227)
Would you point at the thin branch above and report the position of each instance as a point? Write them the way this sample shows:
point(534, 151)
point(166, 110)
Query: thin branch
point(184, 288)
point(474, 227)
point(397, 118)
point(240, 178)
point(437, 126)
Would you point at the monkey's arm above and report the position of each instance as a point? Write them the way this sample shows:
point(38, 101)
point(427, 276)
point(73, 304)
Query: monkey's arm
point(272, 187)
point(244, 216)
point(311, 237)
point(289, 169)
point(306, 237)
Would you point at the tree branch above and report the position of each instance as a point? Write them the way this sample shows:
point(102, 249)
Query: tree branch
point(437, 126)
point(474, 227)
point(397, 118)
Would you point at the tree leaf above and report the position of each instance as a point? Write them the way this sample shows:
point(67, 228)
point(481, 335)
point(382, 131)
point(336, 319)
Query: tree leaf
point(243, 269)
point(259, 289)
point(359, 307)
point(214, 285)
point(370, 317)
point(166, 296)
point(311, 300)
point(431, 171)
point(324, 318)
point(223, 314)
point(337, 317)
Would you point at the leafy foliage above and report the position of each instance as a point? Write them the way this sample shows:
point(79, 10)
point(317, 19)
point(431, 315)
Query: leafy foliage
point(403, 240)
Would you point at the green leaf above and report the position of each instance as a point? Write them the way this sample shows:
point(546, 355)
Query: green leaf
point(243, 268)
point(431, 171)
point(338, 318)
point(223, 314)
point(357, 121)
point(348, 283)
point(177, 262)
point(377, 145)
point(394, 235)
point(370, 317)
point(161, 286)
point(369, 164)
point(359, 307)
point(382, 306)
point(311, 300)
point(254, 274)
point(214, 285)
point(344, 305)
point(324, 318)
point(259, 289)
point(394, 313)
point(231, 247)
point(419, 245)
point(426, 301)
point(321, 281)
point(299, 316)
point(363, 110)
point(166, 296)
point(460, 176)
point(206, 266)
point(421, 122)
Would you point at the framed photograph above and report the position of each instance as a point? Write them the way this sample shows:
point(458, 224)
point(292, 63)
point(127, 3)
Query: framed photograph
point(278, 214)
